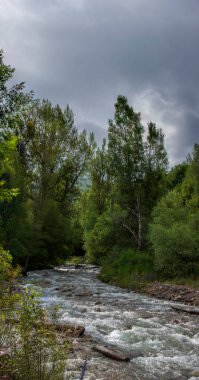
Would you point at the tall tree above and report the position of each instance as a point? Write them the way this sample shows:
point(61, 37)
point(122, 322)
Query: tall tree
point(55, 157)
point(126, 155)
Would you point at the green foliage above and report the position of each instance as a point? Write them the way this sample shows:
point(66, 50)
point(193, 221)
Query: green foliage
point(5, 264)
point(176, 175)
point(127, 179)
point(57, 158)
point(125, 148)
point(7, 147)
point(127, 268)
point(54, 239)
point(138, 168)
point(36, 351)
point(174, 230)
point(10, 98)
point(103, 235)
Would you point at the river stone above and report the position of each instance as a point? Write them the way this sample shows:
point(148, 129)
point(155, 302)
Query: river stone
point(145, 315)
point(47, 282)
point(97, 302)
point(82, 309)
point(74, 364)
point(195, 372)
point(71, 374)
point(97, 309)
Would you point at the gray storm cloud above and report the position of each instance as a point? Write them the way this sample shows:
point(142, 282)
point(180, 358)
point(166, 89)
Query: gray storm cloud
point(86, 52)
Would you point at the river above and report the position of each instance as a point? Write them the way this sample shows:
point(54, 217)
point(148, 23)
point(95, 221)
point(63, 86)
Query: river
point(161, 343)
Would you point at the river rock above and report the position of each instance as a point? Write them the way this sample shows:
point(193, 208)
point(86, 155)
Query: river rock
point(195, 372)
point(74, 364)
point(97, 309)
point(90, 377)
point(47, 282)
point(82, 309)
point(97, 303)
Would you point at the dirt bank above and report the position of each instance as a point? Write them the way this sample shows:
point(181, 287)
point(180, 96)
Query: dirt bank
point(178, 293)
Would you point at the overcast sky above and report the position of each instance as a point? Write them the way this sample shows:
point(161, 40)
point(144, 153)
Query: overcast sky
point(86, 52)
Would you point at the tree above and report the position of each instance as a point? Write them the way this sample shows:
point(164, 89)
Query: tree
point(6, 195)
point(54, 158)
point(126, 156)
point(176, 175)
point(174, 230)
point(9, 102)
point(10, 98)
point(126, 180)
point(125, 147)
point(156, 164)
point(138, 168)
point(93, 201)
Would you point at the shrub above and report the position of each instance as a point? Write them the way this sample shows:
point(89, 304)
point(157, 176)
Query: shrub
point(174, 236)
point(127, 268)
point(36, 351)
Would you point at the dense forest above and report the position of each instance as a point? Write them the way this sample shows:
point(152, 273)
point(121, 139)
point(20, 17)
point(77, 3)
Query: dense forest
point(118, 205)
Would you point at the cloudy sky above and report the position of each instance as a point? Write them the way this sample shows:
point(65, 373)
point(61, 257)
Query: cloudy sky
point(86, 52)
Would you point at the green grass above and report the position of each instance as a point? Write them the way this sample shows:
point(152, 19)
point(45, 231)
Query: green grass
point(192, 282)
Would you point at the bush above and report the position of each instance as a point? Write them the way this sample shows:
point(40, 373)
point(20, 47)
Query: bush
point(174, 236)
point(127, 268)
point(5, 264)
point(35, 350)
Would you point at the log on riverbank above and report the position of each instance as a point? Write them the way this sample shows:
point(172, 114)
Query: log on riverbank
point(109, 352)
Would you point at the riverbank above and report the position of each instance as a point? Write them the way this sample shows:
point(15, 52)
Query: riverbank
point(186, 294)
point(172, 292)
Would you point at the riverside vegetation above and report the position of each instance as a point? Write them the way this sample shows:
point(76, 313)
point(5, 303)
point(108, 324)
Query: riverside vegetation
point(30, 348)
point(118, 205)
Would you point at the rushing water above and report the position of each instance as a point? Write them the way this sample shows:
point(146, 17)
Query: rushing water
point(161, 343)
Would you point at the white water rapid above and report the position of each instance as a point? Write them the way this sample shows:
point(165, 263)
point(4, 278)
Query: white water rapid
point(161, 343)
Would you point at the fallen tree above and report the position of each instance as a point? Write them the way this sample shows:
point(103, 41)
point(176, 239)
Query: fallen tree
point(113, 354)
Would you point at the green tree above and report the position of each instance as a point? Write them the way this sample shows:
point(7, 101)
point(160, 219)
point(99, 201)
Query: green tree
point(10, 98)
point(174, 230)
point(55, 157)
point(176, 175)
point(126, 156)
point(9, 103)
point(126, 180)
point(138, 168)
point(93, 201)
point(156, 164)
